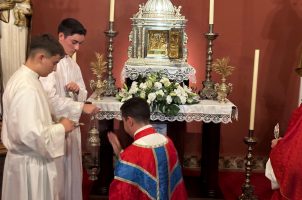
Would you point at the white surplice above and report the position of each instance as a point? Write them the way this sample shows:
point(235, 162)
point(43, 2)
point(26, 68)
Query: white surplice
point(32, 140)
point(269, 173)
point(54, 84)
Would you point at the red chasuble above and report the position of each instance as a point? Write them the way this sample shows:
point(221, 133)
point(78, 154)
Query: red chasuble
point(286, 159)
point(148, 172)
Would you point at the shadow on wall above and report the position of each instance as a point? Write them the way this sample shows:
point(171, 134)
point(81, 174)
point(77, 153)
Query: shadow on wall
point(69, 5)
point(281, 56)
point(47, 15)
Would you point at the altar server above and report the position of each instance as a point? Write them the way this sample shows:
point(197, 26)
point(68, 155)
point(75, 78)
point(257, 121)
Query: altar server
point(34, 142)
point(67, 92)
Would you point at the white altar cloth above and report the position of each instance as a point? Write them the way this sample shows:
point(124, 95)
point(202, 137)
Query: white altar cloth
point(206, 111)
point(179, 74)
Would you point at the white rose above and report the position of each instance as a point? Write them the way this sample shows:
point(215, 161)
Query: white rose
point(167, 84)
point(160, 92)
point(169, 99)
point(173, 94)
point(183, 99)
point(158, 85)
point(151, 97)
point(143, 86)
point(189, 100)
point(165, 81)
point(142, 95)
point(186, 88)
point(181, 91)
point(134, 88)
point(178, 91)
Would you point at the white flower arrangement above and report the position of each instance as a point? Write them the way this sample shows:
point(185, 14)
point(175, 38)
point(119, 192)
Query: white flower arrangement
point(161, 94)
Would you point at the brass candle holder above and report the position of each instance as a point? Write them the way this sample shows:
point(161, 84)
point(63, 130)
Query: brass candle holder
point(111, 90)
point(98, 68)
point(208, 91)
point(247, 187)
point(222, 67)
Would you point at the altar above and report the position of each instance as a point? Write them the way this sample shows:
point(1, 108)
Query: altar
point(158, 49)
point(210, 112)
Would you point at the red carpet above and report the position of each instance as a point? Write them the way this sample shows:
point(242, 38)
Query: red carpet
point(231, 182)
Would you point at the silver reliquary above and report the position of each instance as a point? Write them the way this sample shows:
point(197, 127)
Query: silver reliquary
point(158, 36)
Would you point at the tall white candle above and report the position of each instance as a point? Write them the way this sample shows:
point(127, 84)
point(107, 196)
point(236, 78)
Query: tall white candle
point(111, 15)
point(254, 89)
point(211, 13)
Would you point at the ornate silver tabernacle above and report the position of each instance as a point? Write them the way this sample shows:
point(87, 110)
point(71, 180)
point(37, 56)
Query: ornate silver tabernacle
point(158, 36)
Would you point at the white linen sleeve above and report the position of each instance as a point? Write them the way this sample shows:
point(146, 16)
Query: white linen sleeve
point(269, 173)
point(31, 128)
point(61, 106)
point(82, 96)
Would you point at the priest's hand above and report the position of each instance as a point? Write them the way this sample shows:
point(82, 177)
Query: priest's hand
point(68, 124)
point(275, 141)
point(73, 87)
point(90, 109)
point(117, 148)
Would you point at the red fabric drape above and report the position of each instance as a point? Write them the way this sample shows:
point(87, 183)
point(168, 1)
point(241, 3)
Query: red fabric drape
point(287, 162)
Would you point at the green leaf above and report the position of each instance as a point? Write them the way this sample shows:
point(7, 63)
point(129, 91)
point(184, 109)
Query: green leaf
point(172, 110)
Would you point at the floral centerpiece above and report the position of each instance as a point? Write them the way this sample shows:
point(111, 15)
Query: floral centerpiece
point(162, 94)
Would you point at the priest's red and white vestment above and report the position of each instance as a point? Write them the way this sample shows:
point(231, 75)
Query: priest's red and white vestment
point(286, 160)
point(148, 169)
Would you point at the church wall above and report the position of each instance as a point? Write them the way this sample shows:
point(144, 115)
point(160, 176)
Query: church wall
point(243, 26)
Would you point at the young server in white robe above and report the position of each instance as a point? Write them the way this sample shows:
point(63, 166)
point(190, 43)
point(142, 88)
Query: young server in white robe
point(67, 92)
point(34, 142)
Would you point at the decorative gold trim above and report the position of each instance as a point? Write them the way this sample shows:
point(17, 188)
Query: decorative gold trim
point(176, 185)
point(157, 43)
point(169, 172)
point(180, 180)
point(140, 168)
point(134, 184)
point(156, 168)
point(175, 41)
point(152, 146)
